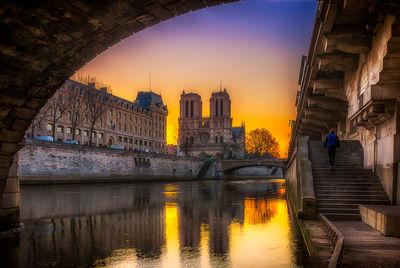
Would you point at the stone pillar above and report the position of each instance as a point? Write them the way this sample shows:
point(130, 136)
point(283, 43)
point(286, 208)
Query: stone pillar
point(9, 198)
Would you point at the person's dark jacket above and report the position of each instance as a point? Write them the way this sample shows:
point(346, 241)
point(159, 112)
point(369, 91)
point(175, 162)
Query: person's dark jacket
point(332, 141)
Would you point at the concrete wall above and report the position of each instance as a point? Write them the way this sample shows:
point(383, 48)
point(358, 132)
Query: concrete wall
point(47, 160)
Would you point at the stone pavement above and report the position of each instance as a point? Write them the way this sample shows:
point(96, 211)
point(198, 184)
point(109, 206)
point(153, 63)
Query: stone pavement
point(366, 247)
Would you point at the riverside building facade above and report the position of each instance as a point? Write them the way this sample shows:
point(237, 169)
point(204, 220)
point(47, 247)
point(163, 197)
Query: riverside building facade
point(213, 135)
point(131, 125)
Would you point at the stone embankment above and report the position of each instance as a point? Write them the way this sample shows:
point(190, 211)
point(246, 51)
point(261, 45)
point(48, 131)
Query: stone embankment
point(54, 162)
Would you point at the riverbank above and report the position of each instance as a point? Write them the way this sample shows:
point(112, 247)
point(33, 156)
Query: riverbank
point(54, 162)
point(43, 162)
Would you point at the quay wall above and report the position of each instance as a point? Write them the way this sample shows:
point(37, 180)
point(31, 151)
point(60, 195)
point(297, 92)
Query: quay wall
point(40, 161)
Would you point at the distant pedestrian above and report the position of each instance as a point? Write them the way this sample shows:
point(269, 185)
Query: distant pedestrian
point(331, 143)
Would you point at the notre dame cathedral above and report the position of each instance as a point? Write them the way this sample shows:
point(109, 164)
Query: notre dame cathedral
point(209, 136)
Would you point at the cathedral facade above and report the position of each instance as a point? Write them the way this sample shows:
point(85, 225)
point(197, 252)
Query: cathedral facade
point(209, 136)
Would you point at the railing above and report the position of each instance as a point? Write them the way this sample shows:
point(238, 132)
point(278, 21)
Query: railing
point(337, 240)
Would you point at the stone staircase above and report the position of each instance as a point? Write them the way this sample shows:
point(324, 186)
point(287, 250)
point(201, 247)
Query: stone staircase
point(341, 191)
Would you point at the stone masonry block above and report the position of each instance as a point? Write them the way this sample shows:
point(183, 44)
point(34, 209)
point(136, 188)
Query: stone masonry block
point(13, 170)
point(8, 147)
point(11, 136)
point(12, 185)
point(24, 113)
point(10, 200)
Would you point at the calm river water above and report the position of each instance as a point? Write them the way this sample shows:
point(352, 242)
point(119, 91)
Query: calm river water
point(183, 224)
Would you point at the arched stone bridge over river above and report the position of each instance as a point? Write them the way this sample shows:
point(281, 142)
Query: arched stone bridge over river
point(229, 165)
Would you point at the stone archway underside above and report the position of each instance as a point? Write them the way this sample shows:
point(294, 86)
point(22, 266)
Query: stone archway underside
point(42, 43)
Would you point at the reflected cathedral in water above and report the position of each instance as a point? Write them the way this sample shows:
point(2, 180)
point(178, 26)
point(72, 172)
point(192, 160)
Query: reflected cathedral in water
point(189, 224)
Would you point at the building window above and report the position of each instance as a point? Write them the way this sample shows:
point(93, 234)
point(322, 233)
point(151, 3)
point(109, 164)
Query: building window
point(86, 119)
point(125, 116)
point(145, 143)
point(85, 133)
point(216, 139)
point(125, 139)
point(119, 138)
point(130, 141)
point(49, 127)
point(111, 113)
point(77, 132)
point(149, 143)
point(69, 130)
point(136, 142)
point(100, 136)
point(125, 127)
point(93, 134)
point(221, 139)
point(60, 129)
point(119, 114)
point(140, 142)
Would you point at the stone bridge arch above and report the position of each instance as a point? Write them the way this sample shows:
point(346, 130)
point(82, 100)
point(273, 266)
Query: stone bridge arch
point(42, 44)
point(227, 166)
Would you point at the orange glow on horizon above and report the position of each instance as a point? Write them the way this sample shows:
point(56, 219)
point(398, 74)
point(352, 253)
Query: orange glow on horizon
point(258, 67)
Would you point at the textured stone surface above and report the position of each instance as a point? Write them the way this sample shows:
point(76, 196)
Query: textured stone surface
point(54, 161)
point(385, 219)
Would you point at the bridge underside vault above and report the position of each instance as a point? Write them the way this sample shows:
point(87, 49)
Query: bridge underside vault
point(42, 43)
point(342, 37)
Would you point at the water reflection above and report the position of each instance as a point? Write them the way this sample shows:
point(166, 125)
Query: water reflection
point(188, 224)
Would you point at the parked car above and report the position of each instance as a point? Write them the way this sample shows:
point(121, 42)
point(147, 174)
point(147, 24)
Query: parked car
point(71, 142)
point(44, 138)
point(117, 147)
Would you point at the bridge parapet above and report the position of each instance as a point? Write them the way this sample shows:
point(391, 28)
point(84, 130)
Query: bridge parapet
point(233, 164)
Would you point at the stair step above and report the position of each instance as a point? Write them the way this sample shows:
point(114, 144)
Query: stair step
point(341, 192)
point(346, 180)
point(342, 188)
point(339, 210)
point(341, 184)
point(360, 196)
point(343, 216)
point(353, 201)
point(337, 205)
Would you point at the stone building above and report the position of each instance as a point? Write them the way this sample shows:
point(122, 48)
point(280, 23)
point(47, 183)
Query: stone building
point(213, 135)
point(350, 82)
point(135, 125)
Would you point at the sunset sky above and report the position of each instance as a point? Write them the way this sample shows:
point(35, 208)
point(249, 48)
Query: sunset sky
point(254, 47)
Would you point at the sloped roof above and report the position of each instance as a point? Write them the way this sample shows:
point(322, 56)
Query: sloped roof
point(147, 98)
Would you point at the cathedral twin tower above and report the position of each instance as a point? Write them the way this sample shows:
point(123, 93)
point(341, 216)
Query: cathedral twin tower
point(212, 135)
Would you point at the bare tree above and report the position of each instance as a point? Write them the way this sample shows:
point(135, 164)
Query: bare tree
point(57, 106)
point(89, 79)
point(37, 122)
point(96, 101)
point(75, 106)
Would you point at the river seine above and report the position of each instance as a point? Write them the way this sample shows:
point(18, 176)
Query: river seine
point(184, 224)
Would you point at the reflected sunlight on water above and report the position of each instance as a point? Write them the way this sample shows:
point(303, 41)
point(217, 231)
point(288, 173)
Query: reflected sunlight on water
point(185, 224)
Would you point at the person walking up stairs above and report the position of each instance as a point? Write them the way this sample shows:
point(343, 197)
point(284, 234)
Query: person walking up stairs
point(331, 143)
point(340, 191)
